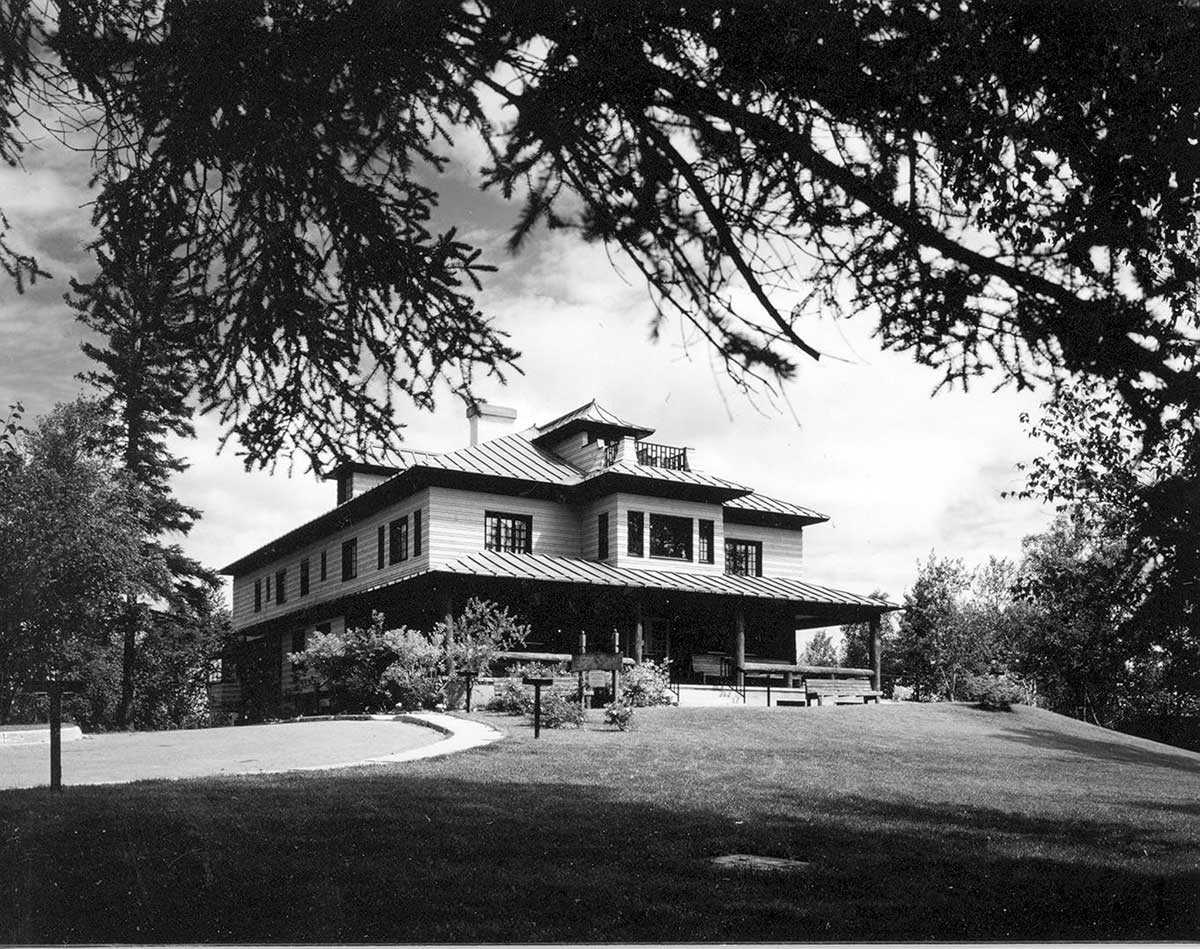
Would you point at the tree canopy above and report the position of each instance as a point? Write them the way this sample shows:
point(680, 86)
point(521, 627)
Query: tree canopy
point(1007, 187)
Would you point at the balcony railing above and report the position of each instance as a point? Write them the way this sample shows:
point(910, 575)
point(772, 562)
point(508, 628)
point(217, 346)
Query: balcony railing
point(649, 453)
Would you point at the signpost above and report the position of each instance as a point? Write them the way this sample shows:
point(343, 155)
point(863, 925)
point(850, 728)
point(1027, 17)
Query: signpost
point(537, 682)
point(54, 688)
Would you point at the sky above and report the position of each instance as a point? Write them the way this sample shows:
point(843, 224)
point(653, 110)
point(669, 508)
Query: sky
point(901, 471)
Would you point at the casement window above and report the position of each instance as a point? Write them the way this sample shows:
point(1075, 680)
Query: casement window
point(281, 586)
point(510, 533)
point(602, 537)
point(706, 542)
point(670, 537)
point(417, 534)
point(743, 557)
point(304, 577)
point(324, 566)
point(349, 559)
point(298, 640)
point(257, 596)
point(268, 588)
point(398, 540)
point(637, 523)
point(379, 548)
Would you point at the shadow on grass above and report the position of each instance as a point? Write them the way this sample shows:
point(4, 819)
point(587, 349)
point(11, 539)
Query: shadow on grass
point(1120, 749)
point(370, 856)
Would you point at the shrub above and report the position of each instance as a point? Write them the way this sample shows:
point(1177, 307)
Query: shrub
point(558, 711)
point(416, 677)
point(619, 714)
point(647, 683)
point(511, 697)
point(995, 692)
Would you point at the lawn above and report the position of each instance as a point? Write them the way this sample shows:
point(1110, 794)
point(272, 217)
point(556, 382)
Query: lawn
point(919, 822)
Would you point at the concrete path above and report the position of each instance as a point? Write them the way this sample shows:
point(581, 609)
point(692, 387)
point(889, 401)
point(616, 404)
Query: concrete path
point(121, 757)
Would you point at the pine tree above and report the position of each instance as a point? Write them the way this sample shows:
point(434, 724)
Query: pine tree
point(145, 306)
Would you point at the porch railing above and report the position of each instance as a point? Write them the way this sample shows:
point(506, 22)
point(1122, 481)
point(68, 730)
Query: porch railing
point(662, 456)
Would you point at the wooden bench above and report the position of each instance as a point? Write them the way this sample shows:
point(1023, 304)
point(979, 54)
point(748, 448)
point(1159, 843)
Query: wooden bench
point(767, 670)
point(841, 689)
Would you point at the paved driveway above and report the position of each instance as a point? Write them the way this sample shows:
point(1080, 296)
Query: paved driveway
point(133, 756)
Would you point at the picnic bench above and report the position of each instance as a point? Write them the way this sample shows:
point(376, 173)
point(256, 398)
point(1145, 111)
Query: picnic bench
point(841, 689)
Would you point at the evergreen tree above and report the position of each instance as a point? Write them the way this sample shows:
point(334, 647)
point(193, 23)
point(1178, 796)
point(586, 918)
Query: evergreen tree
point(145, 308)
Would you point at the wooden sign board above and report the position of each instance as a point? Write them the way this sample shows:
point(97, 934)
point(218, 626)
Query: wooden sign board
point(596, 662)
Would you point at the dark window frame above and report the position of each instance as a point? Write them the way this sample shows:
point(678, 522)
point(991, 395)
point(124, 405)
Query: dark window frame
point(520, 532)
point(754, 546)
point(324, 565)
point(258, 599)
point(299, 636)
point(281, 586)
point(417, 538)
point(635, 543)
point(350, 547)
point(398, 540)
point(602, 536)
point(688, 539)
point(705, 535)
point(267, 599)
point(304, 571)
point(380, 548)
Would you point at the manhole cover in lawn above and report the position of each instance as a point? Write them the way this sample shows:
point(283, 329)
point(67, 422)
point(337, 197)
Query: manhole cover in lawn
point(752, 861)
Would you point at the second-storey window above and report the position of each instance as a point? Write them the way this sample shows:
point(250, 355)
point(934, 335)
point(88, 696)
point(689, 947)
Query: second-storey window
point(304, 577)
point(602, 537)
point(398, 540)
point(379, 548)
point(637, 522)
point(268, 589)
point(257, 596)
point(670, 537)
point(706, 542)
point(743, 557)
point(349, 559)
point(281, 586)
point(508, 532)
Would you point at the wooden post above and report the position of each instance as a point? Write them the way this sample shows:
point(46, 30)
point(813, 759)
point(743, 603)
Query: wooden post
point(639, 638)
point(537, 710)
point(617, 651)
point(582, 675)
point(739, 646)
point(55, 691)
point(876, 658)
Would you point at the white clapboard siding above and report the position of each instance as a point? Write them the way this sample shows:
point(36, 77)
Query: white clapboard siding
point(589, 530)
point(696, 510)
point(366, 531)
point(456, 519)
point(575, 450)
point(782, 549)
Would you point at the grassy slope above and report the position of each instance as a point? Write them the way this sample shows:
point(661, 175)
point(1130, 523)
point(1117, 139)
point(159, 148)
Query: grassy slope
point(921, 821)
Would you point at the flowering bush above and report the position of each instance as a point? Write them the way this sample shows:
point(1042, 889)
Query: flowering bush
point(558, 711)
point(619, 714)
point(511, 697)
point(416, 678)
point(647, 683)
point(995, 692)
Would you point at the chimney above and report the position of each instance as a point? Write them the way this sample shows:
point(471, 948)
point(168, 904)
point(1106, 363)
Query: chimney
point(488, 421)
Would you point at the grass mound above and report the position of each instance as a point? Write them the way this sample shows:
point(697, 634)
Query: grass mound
point(918, 822)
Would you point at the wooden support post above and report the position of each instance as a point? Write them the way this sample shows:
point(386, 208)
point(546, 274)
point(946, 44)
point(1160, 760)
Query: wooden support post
point(876, 657)
point(55, 691)
point(639, 638)
point(616, 687)
point(582, 675)
point(739, 646)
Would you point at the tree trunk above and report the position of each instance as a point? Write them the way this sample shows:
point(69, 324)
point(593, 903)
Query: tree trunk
point(128, 661)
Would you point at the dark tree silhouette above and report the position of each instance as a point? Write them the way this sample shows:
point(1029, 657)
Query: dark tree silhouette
point(1008, 186)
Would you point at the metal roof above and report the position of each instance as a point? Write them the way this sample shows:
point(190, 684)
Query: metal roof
point(593, 413)
point(574, 570)
point(634, 470)
point(768, 505)
point(509, 456)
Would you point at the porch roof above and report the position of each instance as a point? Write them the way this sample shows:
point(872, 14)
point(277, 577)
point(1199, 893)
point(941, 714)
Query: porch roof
point(575, 570)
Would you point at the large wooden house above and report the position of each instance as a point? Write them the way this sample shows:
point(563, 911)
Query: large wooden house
point(577, 525)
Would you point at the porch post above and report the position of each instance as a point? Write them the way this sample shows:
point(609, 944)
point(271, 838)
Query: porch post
point(638, 634)
point(876, 664)
point(739, 645)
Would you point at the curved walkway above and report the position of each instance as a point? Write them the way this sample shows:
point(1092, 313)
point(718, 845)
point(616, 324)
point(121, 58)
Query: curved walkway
point(121, 757)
